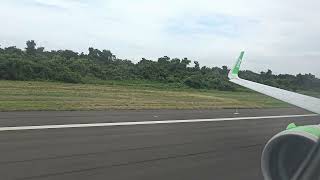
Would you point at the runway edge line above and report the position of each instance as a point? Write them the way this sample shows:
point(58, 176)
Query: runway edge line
point(64, 126)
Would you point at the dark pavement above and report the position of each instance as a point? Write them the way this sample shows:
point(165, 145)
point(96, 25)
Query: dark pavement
point(223, 150)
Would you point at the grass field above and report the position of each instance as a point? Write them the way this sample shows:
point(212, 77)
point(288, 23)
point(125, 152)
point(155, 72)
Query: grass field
point(30, 95)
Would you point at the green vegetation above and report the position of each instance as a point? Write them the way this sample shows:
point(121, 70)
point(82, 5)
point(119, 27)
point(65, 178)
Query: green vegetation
point(34, 63)
point(33, 95)
point(98, 80)
point(311, 93)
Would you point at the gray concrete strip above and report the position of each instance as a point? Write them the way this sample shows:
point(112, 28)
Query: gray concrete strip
point(34, 118)
point(206, 151)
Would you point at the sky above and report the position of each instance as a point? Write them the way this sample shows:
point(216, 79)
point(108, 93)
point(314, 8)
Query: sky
point(279, 35)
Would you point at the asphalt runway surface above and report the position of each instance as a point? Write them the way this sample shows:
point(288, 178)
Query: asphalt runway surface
point(226, 150)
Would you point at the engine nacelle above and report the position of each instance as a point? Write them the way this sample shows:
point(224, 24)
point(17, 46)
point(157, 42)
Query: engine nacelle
point(284, 153)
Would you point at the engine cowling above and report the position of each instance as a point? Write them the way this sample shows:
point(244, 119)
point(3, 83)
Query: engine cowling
point(284, 153)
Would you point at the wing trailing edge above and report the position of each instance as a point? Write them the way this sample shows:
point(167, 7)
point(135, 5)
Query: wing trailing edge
point(306, 102)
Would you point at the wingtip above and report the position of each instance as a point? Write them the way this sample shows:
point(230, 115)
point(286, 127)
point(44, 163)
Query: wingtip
point(233, 74)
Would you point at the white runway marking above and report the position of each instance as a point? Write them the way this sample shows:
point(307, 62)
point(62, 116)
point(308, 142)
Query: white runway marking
point(62, 126)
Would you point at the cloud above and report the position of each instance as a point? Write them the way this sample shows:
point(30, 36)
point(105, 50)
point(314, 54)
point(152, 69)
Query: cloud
point(58, 4)
point(275, 34)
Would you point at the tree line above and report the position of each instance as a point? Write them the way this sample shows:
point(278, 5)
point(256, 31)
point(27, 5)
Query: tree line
point(34, 63)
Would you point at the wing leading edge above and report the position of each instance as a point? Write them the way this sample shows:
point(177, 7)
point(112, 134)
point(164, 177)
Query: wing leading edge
point(306, 102)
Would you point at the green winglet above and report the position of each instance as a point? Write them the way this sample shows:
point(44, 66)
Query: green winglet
point(235, 70)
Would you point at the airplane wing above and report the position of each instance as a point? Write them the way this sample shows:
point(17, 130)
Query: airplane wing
point(306, 102)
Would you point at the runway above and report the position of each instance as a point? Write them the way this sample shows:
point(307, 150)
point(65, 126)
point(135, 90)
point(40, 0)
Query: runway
point(224, 149)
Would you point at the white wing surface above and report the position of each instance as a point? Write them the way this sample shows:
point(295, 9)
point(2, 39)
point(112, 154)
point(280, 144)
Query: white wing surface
point(306, 102)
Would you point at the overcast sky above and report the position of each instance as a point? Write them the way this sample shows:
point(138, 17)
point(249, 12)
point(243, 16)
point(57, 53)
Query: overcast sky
point(282, 35)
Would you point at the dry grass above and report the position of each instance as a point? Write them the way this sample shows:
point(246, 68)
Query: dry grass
point(30, 95)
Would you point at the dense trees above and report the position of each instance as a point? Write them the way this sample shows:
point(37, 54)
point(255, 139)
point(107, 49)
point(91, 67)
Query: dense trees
point(34, 63)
